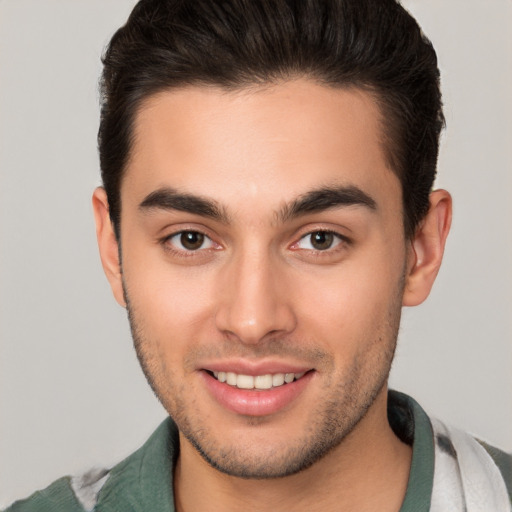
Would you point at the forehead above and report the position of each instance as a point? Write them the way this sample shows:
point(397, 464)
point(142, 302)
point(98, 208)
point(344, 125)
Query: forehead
point(268, 144)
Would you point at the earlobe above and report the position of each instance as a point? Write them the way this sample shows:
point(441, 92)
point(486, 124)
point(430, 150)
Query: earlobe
point(108, 244)
point(427, 249)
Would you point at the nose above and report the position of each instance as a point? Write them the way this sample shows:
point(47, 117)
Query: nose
point(254, 300)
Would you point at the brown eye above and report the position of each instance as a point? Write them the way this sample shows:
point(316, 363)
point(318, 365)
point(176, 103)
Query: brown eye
point(322, 240)
point(319, 241)
point(190, 241)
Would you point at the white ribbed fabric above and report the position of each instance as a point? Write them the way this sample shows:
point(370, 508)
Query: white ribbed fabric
point(466, 478)
point(87, 487)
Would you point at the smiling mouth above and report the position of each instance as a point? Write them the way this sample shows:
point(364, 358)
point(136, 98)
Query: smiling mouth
point(258, 382)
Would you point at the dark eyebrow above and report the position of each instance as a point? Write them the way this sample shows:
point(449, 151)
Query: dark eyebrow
point(170, 199)
point(324, 199)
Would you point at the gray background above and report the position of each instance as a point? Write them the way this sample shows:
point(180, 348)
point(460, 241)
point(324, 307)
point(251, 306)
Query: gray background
point(71, 393)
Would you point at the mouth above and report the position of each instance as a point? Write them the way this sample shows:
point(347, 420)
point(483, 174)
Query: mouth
point(257, 391)
point(256, 382)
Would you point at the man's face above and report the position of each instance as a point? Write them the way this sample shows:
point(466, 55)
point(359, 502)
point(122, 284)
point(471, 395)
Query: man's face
point(262, 241)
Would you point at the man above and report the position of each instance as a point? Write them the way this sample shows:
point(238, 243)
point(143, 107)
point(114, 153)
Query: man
point(266, 212)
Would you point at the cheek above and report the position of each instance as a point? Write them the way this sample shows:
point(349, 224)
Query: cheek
point(354, 304)
point(174, 305)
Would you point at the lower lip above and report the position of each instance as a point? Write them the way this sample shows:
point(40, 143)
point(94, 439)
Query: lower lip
point(255, 402)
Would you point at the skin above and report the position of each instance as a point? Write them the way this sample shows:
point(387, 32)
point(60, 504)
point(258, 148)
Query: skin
point(259, 294)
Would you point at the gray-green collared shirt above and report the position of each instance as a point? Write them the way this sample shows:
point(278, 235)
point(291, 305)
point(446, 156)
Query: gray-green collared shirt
point(143, 481)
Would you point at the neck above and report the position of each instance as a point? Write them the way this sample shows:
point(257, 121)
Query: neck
point(367, 471)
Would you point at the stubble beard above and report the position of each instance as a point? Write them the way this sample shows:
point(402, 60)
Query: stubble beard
point(345, 405)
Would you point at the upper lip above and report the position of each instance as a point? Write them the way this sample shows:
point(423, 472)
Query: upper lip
point(246, 367)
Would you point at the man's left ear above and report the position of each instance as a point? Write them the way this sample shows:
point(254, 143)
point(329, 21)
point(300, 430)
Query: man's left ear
point(427, 248)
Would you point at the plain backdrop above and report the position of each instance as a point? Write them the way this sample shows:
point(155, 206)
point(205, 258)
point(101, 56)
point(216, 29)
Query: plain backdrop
point(71, 393)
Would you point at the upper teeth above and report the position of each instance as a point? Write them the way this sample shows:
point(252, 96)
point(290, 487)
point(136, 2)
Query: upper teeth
point(256, 382)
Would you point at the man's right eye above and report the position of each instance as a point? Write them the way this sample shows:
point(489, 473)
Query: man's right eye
point(189, 241)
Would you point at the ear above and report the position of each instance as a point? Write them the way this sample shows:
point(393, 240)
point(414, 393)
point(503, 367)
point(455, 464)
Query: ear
point(427, 248)
point(107, 244)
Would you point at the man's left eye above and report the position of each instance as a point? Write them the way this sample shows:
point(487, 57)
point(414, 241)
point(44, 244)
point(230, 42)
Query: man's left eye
point(190, 241)
point(319, 241)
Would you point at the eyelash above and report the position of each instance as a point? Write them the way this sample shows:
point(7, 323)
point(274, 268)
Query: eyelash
point(341, 241)
point(186, 253)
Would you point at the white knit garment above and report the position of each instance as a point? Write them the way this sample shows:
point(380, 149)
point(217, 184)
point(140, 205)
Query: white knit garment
point(466, 478)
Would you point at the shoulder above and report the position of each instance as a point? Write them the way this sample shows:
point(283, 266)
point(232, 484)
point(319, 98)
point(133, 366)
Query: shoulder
point(144, 477)
point(58, 496)
point(503, 461)
point(482, 472)
point(462, 472)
